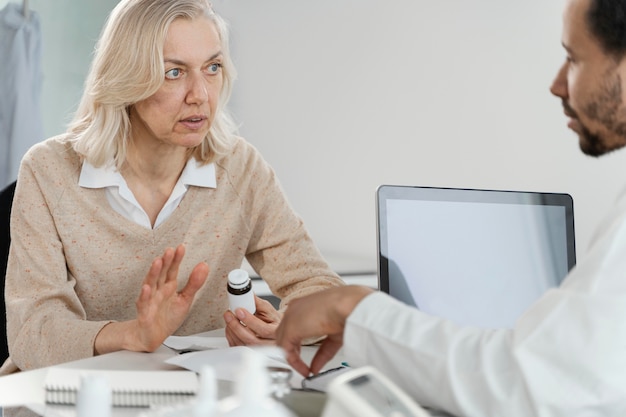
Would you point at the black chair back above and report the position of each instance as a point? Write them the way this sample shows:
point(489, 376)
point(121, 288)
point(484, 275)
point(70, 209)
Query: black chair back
point(6, 200)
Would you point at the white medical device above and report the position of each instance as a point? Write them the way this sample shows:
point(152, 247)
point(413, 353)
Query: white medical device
point(365, 392)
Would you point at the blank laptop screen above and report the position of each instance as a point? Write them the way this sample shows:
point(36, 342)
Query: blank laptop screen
point(476, 257)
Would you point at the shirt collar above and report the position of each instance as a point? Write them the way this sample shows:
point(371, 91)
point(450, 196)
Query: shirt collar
point(108, 176)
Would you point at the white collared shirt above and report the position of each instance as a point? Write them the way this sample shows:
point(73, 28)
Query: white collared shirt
point(124, 202)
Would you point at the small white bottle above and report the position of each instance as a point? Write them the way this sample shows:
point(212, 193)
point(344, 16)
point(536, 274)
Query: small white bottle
point(253, 395)
point(240, 294)
point(206, 399)
point(94, 397)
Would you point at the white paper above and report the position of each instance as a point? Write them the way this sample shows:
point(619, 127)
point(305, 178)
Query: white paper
point(180, 343)
point(227, 361)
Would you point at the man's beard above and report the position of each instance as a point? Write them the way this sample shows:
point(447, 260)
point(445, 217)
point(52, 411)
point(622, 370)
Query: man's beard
point(606, 109)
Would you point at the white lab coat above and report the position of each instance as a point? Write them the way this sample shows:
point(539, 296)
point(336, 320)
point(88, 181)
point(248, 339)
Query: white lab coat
point(20, 88)
point(566, 355)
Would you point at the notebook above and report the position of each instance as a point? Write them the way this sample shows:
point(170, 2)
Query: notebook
point(128, 388)
point(476, 257)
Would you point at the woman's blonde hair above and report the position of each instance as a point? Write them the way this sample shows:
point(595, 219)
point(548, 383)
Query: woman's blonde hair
point(128, 67)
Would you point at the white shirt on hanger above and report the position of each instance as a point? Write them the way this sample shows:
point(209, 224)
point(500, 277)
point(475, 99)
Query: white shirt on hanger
point(20, 87)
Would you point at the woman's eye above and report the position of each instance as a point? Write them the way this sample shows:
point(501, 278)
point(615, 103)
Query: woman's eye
point(214, 68)
point(173, 73)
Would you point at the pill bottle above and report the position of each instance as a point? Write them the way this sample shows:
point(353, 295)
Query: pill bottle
point(252, 396)
point(240, 294)
point(94, 397)
point(206, 401)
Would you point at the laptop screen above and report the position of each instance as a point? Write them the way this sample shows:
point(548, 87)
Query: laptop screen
point(476, 257)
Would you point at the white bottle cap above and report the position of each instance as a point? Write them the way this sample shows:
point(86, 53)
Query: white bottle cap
point(238, 278)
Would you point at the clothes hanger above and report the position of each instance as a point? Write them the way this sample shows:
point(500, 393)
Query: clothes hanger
point(25, 9)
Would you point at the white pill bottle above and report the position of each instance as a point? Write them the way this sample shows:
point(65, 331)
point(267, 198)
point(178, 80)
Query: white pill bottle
point(252, 396)
point(240, 294)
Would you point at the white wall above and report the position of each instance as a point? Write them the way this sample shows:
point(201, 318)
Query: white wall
point(344, 95)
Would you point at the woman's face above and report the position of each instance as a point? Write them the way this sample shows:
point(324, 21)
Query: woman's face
point(180, 113)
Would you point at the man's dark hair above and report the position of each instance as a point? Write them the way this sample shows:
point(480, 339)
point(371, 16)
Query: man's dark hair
point(607, 22)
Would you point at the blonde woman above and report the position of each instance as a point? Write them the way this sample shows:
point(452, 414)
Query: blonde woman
point(124, 229)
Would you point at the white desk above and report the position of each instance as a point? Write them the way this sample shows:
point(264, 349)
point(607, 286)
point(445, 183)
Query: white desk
point(27, 388)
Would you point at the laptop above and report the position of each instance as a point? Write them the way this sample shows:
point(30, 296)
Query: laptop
point(476, 257)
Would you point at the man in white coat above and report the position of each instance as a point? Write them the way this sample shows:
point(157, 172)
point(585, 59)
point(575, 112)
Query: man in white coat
point(566, 355)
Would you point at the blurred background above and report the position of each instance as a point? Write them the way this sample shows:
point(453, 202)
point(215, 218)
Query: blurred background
point(341, 96)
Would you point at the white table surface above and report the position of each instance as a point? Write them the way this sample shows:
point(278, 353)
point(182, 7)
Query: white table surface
point(27, 388)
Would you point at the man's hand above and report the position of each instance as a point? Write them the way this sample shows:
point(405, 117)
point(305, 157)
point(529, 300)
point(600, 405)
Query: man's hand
point(321, 314)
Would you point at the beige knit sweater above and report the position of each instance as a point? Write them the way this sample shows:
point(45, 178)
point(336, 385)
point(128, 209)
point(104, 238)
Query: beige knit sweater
point(75, 264)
